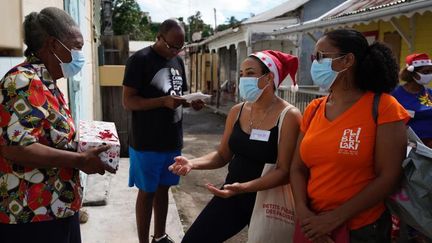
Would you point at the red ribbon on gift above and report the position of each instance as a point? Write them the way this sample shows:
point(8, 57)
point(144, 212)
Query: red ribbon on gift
point(107, 135)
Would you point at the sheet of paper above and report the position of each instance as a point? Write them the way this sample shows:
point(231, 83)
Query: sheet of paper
point(195, 96)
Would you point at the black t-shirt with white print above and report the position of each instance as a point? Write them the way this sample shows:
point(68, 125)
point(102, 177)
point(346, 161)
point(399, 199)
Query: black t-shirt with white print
point(154, 76)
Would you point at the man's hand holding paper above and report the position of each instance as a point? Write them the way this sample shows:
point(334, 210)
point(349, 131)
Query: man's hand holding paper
point(195, 100)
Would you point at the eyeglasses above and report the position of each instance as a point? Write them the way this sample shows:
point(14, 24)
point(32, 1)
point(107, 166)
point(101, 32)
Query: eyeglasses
point(321, 55)
point(172, 48)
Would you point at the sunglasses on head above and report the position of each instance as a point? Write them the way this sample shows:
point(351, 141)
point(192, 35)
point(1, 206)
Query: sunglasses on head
point(319, 55)
point(170, 47)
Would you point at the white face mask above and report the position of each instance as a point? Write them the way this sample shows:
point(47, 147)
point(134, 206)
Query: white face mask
point(424, 78)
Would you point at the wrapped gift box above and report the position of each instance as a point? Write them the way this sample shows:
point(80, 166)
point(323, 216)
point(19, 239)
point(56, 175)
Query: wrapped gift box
point(93, 134)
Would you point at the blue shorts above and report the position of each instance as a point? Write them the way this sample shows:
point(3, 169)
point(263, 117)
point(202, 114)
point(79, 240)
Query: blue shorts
point(149, 169)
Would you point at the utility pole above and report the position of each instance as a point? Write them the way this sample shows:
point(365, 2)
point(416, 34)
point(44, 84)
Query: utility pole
point(215, 20)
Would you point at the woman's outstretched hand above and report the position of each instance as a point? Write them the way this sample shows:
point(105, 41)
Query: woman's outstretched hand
point(228, 190)
point(182, 166)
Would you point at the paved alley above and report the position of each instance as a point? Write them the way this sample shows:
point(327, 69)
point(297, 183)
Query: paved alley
point(202, 133)
point(115, 222)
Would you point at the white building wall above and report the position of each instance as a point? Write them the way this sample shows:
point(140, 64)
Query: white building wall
point(135, 46)
point(89, 102)
point(36, 6)
point(228, 40)
point(242, 33)
point(6, 63)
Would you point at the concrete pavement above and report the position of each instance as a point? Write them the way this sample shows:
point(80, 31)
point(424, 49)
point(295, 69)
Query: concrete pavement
point(224, 107)
point(115, 222)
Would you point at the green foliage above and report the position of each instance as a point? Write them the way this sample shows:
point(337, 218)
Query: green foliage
point(229, 23)
point(196, 24)
point(129, 20)
point(232, 21)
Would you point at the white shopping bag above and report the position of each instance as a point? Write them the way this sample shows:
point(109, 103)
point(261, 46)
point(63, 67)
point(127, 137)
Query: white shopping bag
point(273, 219)
point(273, 214)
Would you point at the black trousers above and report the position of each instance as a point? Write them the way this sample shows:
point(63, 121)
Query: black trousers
point(65, 230)
point(221, 219)
point(377, 232)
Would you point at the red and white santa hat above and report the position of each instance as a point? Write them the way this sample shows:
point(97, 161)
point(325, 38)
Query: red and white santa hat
point(280, 64)
point(417, 60)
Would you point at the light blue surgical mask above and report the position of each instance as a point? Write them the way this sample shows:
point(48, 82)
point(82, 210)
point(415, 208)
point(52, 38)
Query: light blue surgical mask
point(248, 88)
point(72, 68)
point(322, 73)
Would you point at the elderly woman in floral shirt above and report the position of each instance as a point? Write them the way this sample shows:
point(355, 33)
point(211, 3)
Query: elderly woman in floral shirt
point(40, 192)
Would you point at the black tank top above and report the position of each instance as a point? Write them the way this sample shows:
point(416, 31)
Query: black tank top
point(250, 155)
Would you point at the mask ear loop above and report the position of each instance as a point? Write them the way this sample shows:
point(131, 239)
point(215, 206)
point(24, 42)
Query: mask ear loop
point(268, 81)
point(346, 84)
point(57, 57)
point(336, 58)
point(61, 43)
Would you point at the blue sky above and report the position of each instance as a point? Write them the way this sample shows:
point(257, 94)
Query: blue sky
point(164, 9)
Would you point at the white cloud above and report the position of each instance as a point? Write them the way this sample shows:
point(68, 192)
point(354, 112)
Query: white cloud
point(163, 9)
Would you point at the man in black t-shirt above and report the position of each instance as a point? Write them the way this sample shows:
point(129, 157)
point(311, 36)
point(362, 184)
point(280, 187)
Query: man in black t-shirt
point(153, 83)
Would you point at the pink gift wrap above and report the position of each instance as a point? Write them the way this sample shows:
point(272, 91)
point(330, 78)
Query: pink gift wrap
point(96, 133)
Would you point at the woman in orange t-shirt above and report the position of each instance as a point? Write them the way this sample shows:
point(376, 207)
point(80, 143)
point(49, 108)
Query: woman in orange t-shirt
point(347, 162)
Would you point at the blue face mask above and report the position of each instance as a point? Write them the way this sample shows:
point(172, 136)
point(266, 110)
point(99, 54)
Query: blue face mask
point(248, 88)
point(74, 67)
point(322, 73)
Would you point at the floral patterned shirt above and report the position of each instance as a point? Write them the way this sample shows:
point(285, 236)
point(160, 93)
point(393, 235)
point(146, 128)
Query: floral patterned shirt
point(33, 110)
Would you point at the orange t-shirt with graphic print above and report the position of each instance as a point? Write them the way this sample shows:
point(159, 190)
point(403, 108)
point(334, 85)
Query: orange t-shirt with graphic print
point(340, 153)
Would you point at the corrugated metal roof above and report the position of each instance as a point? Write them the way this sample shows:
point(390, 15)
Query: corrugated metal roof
point(351, 12)
point(353, 7)
point(277, 11)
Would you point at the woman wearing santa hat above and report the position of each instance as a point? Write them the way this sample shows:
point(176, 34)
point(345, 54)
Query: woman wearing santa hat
point(250, 140)
point(415, 96)
point(348, 162)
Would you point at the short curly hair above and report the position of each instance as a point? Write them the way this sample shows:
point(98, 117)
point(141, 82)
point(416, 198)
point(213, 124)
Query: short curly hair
point(170, 24)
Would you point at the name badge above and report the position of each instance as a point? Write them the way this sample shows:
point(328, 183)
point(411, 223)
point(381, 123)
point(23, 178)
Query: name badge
point(260, 135)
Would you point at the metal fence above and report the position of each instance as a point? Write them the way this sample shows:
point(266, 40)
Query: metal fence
point(302, 97)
